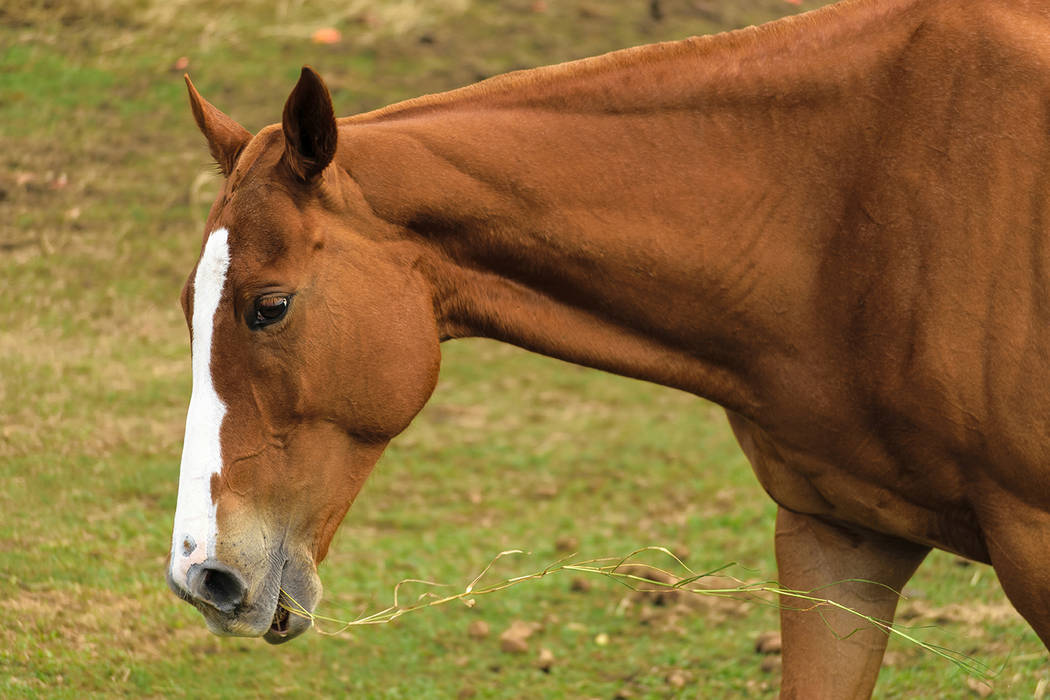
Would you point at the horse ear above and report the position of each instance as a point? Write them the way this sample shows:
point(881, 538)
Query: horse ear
point(310, 132)
point(226, 138)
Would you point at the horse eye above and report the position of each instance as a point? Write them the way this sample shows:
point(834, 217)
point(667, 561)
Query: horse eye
point(269, 309)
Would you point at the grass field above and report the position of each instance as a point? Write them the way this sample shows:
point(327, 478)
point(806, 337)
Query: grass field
point(104, 186)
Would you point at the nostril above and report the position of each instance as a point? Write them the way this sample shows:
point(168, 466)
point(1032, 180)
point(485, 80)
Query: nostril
point(222, 587)
point(217, 585)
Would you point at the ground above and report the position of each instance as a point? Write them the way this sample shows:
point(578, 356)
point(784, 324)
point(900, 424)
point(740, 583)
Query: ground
point(104, 186)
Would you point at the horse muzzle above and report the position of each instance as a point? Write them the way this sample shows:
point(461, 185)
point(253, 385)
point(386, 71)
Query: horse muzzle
point(276, 607)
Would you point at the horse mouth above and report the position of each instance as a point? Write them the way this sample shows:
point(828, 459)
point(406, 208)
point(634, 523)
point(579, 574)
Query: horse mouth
point(286, 625)
point(280, 620)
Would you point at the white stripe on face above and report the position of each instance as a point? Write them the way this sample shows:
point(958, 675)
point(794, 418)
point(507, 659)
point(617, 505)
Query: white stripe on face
point(193, 537)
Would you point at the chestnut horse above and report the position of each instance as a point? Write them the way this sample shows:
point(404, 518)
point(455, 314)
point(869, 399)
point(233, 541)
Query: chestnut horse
point(835, 226)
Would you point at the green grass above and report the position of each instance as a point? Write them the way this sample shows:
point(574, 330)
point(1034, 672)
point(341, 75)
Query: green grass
point(103, 190)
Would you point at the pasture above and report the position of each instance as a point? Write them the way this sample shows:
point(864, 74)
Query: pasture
point(105, 185)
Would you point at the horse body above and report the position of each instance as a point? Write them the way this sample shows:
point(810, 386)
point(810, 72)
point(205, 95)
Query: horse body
point(831, 225)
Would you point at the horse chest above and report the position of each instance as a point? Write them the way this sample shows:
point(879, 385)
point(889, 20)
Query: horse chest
point(870, 491)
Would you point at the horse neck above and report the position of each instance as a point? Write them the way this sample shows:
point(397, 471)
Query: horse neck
point(657, 213)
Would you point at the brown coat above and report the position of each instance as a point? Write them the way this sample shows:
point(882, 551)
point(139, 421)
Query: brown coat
point(834, 226)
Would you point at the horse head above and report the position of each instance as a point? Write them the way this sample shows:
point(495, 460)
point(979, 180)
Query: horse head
point(314, 342)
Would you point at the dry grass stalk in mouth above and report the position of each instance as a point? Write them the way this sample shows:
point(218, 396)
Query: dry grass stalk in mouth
point(643, 578)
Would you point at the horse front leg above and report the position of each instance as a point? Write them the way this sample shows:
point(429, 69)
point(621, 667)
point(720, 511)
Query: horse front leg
point(1017, 533)
point(830, 654)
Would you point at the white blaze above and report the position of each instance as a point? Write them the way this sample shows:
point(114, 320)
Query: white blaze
point(193, 537)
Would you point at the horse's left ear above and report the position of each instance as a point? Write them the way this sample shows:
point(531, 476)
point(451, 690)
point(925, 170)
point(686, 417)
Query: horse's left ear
point(226, 138)
point(308, 123)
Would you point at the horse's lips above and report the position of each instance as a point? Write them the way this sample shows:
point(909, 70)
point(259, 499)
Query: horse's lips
point(286, 625)
point(285, 591)
point(286, 630)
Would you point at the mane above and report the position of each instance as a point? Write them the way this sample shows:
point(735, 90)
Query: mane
point(714, 55)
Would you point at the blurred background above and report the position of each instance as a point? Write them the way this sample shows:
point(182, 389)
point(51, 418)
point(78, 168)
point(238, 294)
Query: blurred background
point(103, 191)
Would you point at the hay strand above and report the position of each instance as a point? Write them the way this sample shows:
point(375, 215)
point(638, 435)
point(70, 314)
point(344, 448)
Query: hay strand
point(613, 568)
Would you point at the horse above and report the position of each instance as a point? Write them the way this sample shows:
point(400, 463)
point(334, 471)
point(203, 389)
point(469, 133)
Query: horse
point(834, 226)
